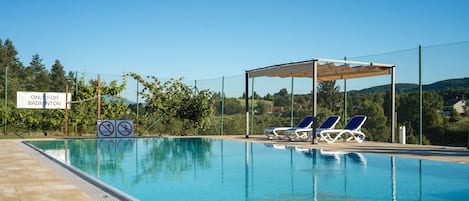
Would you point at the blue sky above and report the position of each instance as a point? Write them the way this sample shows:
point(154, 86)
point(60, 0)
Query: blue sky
point(210, 39)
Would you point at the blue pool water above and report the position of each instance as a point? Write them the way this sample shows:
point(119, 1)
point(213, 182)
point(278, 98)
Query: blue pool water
point(208, 169)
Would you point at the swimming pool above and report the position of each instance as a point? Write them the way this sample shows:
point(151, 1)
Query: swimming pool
point(211, 169)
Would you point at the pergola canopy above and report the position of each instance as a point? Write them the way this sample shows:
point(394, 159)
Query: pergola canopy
point(327, 69)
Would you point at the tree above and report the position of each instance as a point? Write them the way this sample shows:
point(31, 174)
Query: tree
point(178, 101)
point(113, 106)
point(40, 74)
point(9, 59)
point(408, 111)
point(281, 98)
point(262, 107)
point(29, 79)
point(268, 97)
point(196, 109)
point(232, 106)
point(84, 113)
point(329, 96)
point(256, 96)
point(455, 116)
point(57, 77)
point(376, 124)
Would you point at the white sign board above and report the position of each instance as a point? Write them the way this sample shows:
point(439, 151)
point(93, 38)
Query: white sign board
point(42, 100)
point(125, 128)
point(106, 128)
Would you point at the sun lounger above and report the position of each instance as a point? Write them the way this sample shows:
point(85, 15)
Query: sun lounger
point(352, 129)
point(305, 133)
point(272, 132)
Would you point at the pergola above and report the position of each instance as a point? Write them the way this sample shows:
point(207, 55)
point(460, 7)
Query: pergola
point(324, 70)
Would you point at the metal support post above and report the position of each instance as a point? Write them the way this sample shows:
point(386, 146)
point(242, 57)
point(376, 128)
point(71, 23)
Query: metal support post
point(420, 96)
point(314, 140)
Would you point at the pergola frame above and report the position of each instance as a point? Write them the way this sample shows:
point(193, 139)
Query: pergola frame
point(325, 70)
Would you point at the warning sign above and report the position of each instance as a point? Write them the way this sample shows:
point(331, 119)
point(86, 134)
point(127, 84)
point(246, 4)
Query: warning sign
point(106, 129)
point(115, 128)
point(125, 128)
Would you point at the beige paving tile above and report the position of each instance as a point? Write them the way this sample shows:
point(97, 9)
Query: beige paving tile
point(4, 179)
point(34, 196)
point(7, 188)
point(52, 181)
point(9, 196)
point(26, 179)
point(43, 188)
point(67, 195)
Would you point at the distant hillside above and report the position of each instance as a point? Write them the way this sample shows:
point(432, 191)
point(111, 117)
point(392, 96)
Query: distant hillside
point(448, 84)
point(116, 99)
point(404, 87)
point(408, 87)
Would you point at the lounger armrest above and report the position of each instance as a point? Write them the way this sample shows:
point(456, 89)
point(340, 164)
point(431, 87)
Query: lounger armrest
point(272, 129)
point(331, 131)
point(303, 130)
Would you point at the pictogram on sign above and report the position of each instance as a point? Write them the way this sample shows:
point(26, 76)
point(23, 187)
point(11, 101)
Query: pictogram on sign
point(125, 128)
point(106, 129)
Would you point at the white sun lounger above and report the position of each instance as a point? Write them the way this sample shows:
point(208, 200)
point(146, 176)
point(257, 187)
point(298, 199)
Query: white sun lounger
point(352, 130)
point(305, 133)
point(272, 132)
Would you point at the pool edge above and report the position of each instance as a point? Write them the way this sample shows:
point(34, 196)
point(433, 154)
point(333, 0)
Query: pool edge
point(114, 192)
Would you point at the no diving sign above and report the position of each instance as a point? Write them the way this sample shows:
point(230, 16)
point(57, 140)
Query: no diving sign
point(106, 129)
point(115, 128)
point(125, 128)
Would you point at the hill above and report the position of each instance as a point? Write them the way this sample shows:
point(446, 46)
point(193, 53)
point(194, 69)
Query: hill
point(409, 87)
point(448, 84)
point(117, 99)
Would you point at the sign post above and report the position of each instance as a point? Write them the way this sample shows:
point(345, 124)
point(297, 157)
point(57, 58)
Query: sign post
point(66, 111)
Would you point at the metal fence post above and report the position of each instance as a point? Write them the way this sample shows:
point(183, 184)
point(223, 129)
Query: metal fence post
point(6, 102)
point(420, 95)
point(222, 103)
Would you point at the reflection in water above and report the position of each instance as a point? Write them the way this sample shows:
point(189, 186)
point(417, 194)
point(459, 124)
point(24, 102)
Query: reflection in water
point(171, 158)
point(420, 180)
point(393, 178)
point(205, 169)
point(337, 156)
point(246, 172)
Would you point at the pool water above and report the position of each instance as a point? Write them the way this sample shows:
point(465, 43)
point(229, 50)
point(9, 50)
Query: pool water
point(210, 169)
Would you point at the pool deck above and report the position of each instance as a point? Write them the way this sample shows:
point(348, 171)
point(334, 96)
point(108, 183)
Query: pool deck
point(426, 152)
point(26, 174)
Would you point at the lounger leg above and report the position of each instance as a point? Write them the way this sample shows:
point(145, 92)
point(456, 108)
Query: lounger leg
point(327, 137)
point(290, 135)
point(304, 136)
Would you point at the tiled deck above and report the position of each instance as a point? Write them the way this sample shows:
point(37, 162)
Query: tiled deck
point(23, 177)
point(27, 175)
